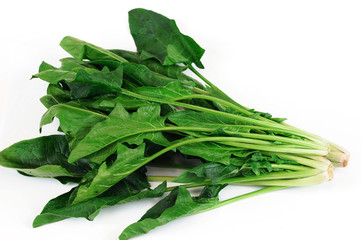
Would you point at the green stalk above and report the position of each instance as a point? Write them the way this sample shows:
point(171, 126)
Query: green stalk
point(321, 165)
point(317, 179)
point(247, 195)
point(283, 179)
point(214, 99)
point(300, 131)
point(272, 125)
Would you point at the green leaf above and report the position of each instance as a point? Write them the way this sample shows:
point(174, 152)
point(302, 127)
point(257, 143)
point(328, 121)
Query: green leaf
point(128, 160)
point(72, 64)
point(121, 125)
point(208, 171)
point(143, 76)
point(158, 36)
point(75, 121)
point(82, 50)
point(42, 157)
point(201, 119)
point(48, 101)
point(178, 203)
point(210, 151)
point(108, 103)
point(126, 191)
point(172, 71)
point(56, 91)
point(86, 85)
point(45, 66)
point(171, 90)
point(54, 76)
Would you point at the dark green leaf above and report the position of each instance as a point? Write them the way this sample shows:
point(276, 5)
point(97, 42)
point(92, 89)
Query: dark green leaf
point(208, 171)
point(59, 208)
point(75, 121)
point(201, 119)
point(121, 125)
point(143, 76)
point(171, 90)
point(178, 203)
point(82, 50)
point(128, 160)
point(107, 103)
point(42, 157)
point(158, 36)
point(86, 85)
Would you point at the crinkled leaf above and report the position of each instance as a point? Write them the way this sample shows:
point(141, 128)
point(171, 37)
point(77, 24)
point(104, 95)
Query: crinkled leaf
point(158, 36)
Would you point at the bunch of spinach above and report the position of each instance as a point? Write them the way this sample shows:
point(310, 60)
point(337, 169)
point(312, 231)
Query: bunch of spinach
point(123, 112)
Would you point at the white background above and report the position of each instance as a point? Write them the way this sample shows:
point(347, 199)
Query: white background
point(294, 59)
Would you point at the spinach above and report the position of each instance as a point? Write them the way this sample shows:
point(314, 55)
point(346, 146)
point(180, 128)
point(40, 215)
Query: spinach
point(121, 113)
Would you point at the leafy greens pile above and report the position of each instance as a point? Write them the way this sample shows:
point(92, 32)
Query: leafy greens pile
point(124, 112)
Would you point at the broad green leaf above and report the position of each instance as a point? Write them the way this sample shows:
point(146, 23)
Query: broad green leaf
point(49, 101)
point(82, 50)
point(54, 76)
point(210, 151)
point(86, 85)
point(72, 64)
point(120, 125)
point(42, 157)
point(201, 119)
point(171, 90)
point(143, 76)
point(178, 203)
point(107, 103)
point(172, 71)
point(128, 160)
point(45, 66)
point(56, 91)
point(126, 191)
point(208, 171)
point(75, 121)
point(158, 36)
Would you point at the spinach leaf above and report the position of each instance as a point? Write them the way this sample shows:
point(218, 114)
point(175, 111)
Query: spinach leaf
point(172, 71)
point(171, 90)
point(157, 36)
point(201, 119)
point(178, 203)
point(121, 125)
point(208, 171)
point(108, 103)
point(128, 160)
point(86, 85)
point(126, 191)
point(82, 50)
point(143, 76)
point(210, 151)
point(75, 121)
point(43, 157)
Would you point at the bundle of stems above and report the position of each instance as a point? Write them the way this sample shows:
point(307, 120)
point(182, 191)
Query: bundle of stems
point(121, 113)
